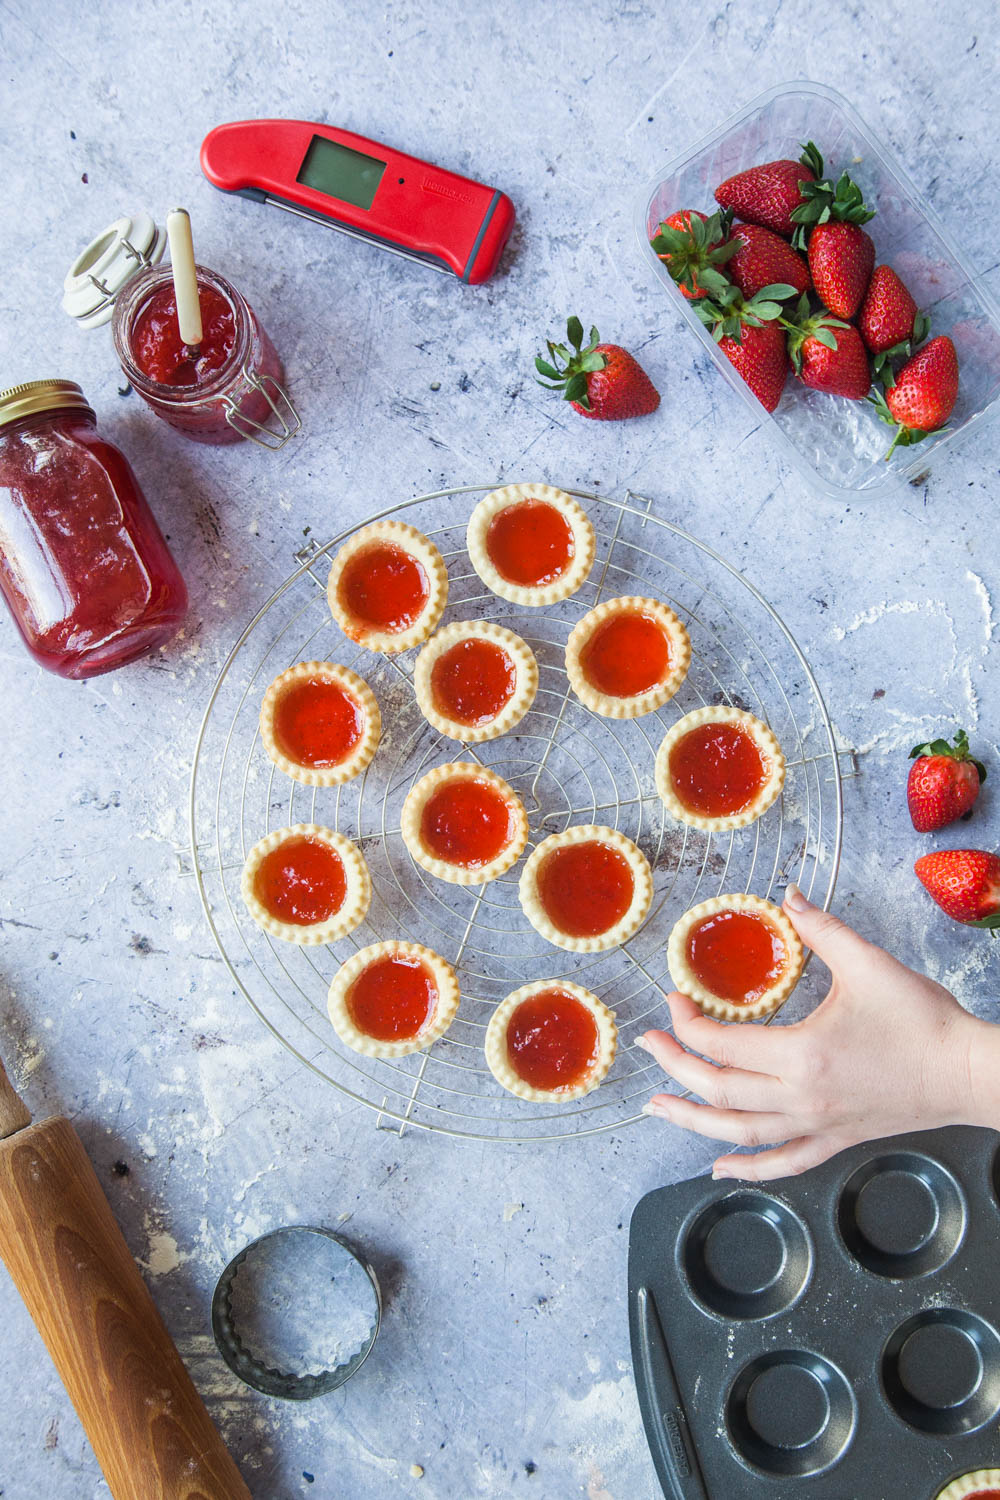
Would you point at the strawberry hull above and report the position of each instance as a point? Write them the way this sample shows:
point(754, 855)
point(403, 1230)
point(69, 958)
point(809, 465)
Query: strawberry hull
point(839, 446)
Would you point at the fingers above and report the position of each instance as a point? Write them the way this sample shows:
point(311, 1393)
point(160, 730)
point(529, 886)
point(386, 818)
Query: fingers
point(726, 1088)
point(759, 1048)
point(787, 1160)
point(742, 1127)
point(839, 946)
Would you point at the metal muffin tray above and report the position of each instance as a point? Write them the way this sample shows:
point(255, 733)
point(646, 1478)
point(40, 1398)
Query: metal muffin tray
point(833, 1335)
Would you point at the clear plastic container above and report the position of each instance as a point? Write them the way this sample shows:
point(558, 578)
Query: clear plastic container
point(840, 445)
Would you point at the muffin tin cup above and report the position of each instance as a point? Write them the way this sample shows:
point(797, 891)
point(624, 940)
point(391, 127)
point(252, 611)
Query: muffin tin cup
point(835, 1335)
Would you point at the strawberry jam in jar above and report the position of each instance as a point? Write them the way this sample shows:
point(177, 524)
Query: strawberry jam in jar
point(84, 567)
point(227, 389)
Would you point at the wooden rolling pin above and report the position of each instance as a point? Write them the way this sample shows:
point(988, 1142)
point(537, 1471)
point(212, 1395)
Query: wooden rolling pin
point(146, 1422)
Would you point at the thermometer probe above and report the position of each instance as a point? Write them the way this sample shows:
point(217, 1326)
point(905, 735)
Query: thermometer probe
point(364, 189)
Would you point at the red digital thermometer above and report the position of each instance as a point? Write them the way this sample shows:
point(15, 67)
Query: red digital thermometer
point(364, 189)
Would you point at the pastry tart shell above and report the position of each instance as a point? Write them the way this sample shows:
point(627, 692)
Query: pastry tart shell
point(531, 595)
point(688, 982)
point(607, 704)
point(517, 705)
point(413, 809)
point(408, 539)
point(436, 1025)
point(498, 1058)
point(357, 896)
point(770, 751)
point(613, 937)
point(968, 1484)
point(371, 728)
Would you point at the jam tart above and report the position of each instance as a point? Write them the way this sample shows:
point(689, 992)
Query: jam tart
point(551, 1041)
point(306, 884)
point(586, 889)
point(719, 768)
point(475, 680)
point(627, 657)
point(320, 723)
point(738, 957)
point(464, 824)
point(393, 998)
point(388, 586)
point(530, 543)
point(980, 1484)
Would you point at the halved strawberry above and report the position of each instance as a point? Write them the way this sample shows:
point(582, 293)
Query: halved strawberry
point(692, 248)
point(770, 193)
point(763, 258)
point(965, 883)
point(943, 783)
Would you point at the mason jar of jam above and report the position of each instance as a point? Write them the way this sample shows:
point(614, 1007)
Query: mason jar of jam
point(84, 568)
point(229, 388)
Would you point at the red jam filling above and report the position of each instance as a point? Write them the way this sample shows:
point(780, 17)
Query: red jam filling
point(736, 955)
point(717, 770)
point(317, 723)
point(984, 1495)
point(302, 881)
point(626, 655)
point(472, 681)
point(552, 1041)
point(585, 888)
point(384, 588)
point(530, 543)
point(466, 822)
point(393, 998)
point(156, 342)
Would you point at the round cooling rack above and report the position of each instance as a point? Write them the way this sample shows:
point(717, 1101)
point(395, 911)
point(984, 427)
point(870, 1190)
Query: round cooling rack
point(568, 765)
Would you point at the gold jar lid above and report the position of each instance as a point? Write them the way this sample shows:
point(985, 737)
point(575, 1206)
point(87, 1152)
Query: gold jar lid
point(35, 396)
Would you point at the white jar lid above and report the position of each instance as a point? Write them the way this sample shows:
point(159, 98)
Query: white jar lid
point(111, 259)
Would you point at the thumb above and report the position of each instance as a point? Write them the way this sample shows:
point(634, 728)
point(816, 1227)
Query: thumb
point(838, 945)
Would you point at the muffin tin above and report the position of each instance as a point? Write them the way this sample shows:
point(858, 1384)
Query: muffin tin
point(831, 1336)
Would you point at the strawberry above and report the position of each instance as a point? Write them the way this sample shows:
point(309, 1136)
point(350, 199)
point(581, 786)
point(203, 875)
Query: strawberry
point(692, 247)
point(750, 336)
point(923, 395)
point(828, 354)
point(763, 258)
point(887, 313)
point(602, 381)
point(965, 883)
point(943, 783)
point(769, 194)
point(841, 258)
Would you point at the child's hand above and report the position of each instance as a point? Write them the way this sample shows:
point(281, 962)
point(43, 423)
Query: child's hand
point(887, 1051)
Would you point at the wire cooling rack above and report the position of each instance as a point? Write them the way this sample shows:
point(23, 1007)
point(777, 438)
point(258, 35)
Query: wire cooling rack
point(568, 765)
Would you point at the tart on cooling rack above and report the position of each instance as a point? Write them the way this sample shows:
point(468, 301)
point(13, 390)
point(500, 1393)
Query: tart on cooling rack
point(551, 1041)
point(627, 657)
point(586, 889)
point(320, 723)
point(393, 998)
point(388, 586)
point(464, 824)
point(981, 1484)
point(306, 884)
point(738, 957)
point(475, 680)
point(530, 543)
point(718, 768)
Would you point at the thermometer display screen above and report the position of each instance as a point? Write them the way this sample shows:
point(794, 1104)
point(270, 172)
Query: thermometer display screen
point(340, 172)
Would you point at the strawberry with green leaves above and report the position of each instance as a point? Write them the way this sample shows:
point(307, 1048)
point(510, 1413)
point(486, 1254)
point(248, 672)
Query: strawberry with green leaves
point(770, 194)
point(762, 258)
point(841, 254)
point(965, 883)
point(749, 334)
point(693, 249)
point(828, 354)
point(601, 381)
point(921, 398)
point(943, 783)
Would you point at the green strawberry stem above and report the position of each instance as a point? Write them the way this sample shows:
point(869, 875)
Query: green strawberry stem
point(729, 311)
point(825, 200)
point(806, 325)
point(571, 379)
point(957, 751)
